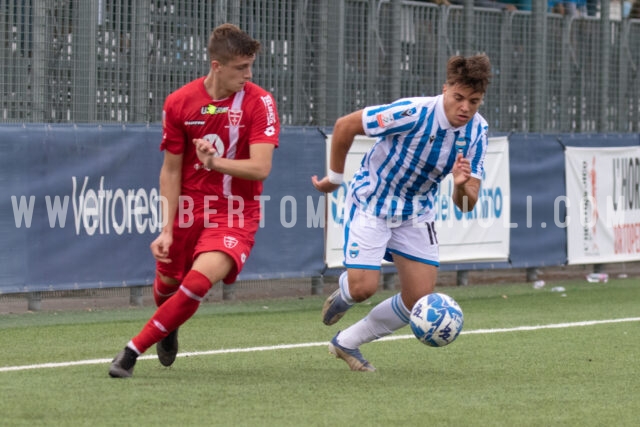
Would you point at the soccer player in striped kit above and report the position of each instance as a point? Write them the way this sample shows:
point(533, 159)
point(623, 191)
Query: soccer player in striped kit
point(218, 134)
point(389, 208)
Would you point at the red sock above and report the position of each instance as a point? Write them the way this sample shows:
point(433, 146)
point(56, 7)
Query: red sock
point(174, 312)
point(162, 291)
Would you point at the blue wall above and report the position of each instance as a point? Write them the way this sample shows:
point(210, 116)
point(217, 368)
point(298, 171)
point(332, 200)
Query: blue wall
point(107, 248)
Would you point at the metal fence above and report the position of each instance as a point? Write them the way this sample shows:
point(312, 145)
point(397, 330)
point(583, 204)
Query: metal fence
point(106, 61)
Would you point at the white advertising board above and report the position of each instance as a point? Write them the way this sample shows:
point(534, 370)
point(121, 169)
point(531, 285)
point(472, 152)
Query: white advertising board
point(603, 204)
point(479, 236)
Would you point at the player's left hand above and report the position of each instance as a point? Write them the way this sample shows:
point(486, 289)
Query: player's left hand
point(461, 170)
point(324, 185)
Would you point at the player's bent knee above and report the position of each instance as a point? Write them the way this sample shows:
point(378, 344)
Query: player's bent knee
point(196, 283)
point(166, 280)
point(363, 283)
point(361, 291)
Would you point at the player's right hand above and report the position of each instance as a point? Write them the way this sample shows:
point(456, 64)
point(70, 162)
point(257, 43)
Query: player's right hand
point(160, 247)
point(205, 152)
point(461, 170)
point(324, 185)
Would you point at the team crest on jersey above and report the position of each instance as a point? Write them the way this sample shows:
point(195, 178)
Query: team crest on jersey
point(230, 242)
point(234, 117)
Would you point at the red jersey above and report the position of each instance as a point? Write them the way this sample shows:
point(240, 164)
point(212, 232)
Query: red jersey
point(231, 125)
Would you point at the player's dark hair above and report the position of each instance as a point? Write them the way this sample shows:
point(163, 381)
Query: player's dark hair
point(228, 41)
point(473, 71)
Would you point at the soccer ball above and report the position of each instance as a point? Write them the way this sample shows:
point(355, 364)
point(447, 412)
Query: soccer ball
point(436, 320)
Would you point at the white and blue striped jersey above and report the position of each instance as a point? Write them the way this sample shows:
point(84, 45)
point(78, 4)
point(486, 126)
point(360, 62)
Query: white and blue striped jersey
point(415, 149)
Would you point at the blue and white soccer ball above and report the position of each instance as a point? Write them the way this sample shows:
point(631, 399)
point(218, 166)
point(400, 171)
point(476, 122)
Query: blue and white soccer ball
point(436, 320)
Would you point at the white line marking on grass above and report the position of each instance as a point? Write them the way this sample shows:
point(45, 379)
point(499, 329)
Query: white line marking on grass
point(317, 344)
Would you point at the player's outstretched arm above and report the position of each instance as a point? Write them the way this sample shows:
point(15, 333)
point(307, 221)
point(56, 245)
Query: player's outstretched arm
point(344, 131)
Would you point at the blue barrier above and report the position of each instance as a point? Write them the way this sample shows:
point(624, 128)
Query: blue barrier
point(78, 205)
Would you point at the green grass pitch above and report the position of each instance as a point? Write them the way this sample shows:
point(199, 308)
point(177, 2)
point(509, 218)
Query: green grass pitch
point(265, 363)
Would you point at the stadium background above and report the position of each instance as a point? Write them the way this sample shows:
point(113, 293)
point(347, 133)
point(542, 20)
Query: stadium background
point(82, 73)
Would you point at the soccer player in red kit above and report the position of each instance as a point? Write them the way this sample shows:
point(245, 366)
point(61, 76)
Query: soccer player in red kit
point(218, 134)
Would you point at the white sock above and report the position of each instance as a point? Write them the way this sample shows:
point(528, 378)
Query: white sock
point(384, 319)
point(344, 289)
point(133, 347)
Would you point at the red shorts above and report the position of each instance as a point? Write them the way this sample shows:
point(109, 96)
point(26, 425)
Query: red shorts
point(190, 239)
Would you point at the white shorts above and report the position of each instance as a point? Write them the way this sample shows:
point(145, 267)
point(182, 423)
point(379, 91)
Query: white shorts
point(370, 239)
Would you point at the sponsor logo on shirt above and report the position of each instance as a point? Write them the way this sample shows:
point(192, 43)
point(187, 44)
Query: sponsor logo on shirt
point(270, 131)
point(212, 109)
point(384, 119)
point(194, 123)
point(268, 104)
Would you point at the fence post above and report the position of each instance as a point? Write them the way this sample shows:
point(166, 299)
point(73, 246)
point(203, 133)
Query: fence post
point(135, 296)
point(605, 55)
point(140, 65)
point(41, 49)
point(300, 59)
point(317, 285)
point(373, 55)
point(388, 281)
point(538, 72)
point(462, 278)
point(34, 301)
point(506, 65)
point(85, 24)
point(442, 54)
point(228, 291)
point(469, 27)
point(330, 68)
point(396, 49)
point(565, 74)
point(623, 82)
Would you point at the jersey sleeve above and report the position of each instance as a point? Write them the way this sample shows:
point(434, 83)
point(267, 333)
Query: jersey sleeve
point(173, 136)
point(382, 120)
point(265, 126)
point(477, 151)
